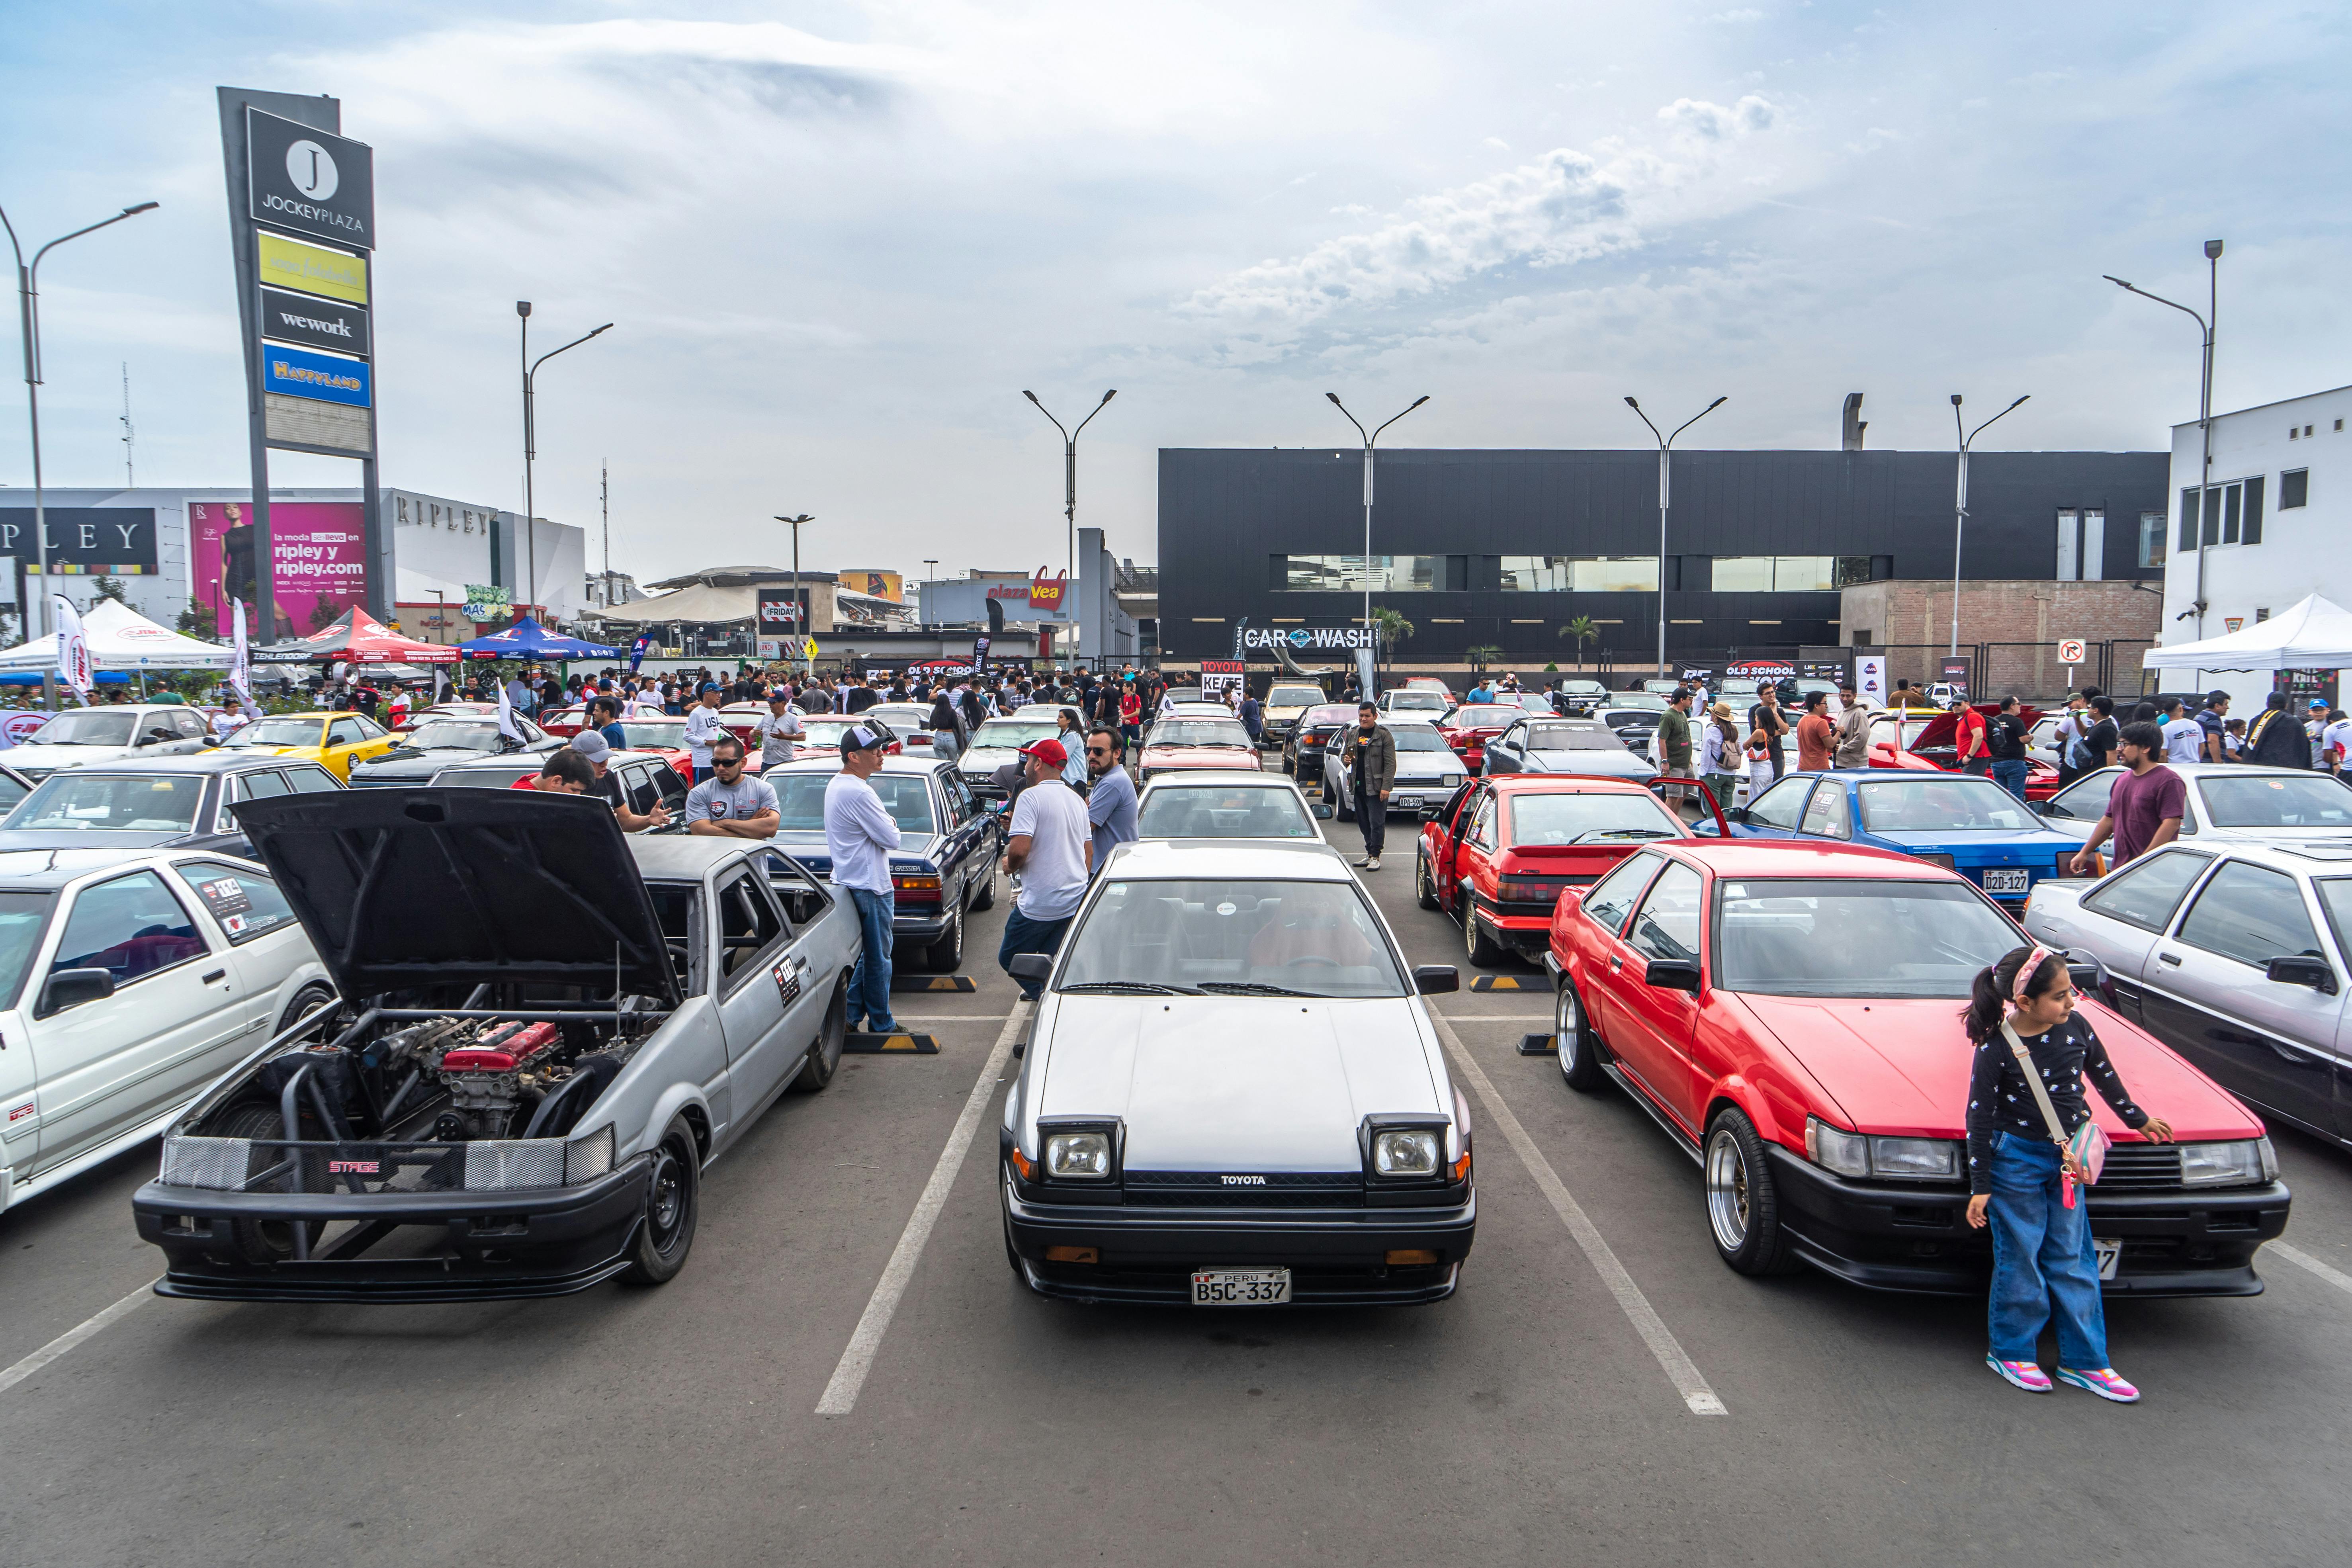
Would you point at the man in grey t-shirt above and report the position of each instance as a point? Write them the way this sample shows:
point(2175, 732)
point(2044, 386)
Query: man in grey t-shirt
point(731, 804)
point(1110, 802)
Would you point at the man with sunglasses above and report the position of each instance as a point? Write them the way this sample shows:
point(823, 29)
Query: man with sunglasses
point(1110, 800)
point(731, 804)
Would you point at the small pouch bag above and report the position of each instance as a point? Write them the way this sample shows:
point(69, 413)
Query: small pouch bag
point(2089, 1143)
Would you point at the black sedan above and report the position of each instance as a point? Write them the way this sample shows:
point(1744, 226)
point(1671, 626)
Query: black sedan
point(948, 845)
point(162, 803)
point(1302, 750)
point(438, 743)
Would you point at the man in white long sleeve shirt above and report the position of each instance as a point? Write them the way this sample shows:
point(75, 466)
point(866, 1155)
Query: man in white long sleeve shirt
point(859, 834)
point(702, 727)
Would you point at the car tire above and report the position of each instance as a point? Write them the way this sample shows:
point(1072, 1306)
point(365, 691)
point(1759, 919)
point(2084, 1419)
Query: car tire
point(315, 994)
point(673, 1202)
point(263, 1241)
point(1424, 891)
point(1743, 1205)
point(1483, 951)
point(944, 955)
point(1338, 796)
point(1579, 1047)
point(986, 898)
point(824, 1057)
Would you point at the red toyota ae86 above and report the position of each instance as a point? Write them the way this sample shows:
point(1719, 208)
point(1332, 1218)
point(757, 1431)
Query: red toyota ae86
point(1789, 1013)
point(1498, 855)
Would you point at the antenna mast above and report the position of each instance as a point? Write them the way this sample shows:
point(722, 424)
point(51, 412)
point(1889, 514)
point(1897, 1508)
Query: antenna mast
point(130, 474)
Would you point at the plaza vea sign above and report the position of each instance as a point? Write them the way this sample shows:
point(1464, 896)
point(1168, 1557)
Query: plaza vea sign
point(1308, 639)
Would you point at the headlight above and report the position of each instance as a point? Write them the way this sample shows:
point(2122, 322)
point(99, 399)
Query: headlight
point(1450, 780)
point(586, 1159)
point(1894, 1159)
point(1077, 1156)
point(1405, 1151)
point(1835, 1149)
point(2241, 1163)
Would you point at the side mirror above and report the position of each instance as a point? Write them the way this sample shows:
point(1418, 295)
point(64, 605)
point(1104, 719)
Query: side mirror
point(72, 988)
point(2091, 975)
point(1037, 966)
point(1432, 979)
point(1431, 813)
point(2315, 972)
point(1671, 974)
point(1735, 814)
point(211, 740)
point(1322, 812)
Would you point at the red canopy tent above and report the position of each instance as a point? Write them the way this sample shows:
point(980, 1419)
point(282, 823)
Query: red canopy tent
point(355, 637)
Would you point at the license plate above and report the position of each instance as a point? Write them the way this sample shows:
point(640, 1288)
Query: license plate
point(1240, 1286)
point(2108, 1253)
point(2005, 879)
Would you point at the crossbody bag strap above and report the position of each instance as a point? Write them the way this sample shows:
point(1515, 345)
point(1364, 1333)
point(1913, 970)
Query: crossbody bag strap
point(2033, 1082)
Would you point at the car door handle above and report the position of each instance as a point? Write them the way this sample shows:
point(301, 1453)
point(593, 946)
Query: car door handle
point(2171, 958)
point(1615, 963)
point(216, 974)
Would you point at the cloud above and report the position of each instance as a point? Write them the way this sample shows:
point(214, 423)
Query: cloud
point(1714, 122)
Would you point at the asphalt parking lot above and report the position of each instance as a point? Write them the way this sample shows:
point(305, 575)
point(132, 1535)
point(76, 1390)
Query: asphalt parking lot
point(1537, 1417)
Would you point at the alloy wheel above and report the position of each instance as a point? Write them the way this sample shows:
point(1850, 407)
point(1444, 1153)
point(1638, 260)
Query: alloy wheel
point(1563, 1029)
point(1727, 1190)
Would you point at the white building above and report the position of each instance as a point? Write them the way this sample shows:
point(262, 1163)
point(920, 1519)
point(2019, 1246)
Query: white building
point(2280, 503)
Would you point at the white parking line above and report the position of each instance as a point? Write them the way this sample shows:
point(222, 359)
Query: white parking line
point(857, 1359)
point(2295, 1254)
point(65, 1341)
point(1680, 1370)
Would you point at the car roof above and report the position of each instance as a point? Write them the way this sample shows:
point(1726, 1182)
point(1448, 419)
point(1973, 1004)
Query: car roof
point(1550, 784)
point(46, 871)
point(2314, 858)
point(681, 856)
point(1802, 857)
point(891, 763)
point(1226, 860)
point(1220, 778)
point(314, 714)
point(222, 760)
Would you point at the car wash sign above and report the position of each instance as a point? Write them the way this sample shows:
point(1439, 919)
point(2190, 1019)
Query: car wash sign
point(1306, 639)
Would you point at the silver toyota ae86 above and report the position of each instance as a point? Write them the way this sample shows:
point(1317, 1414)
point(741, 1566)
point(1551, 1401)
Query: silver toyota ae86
point(546, 1032)
point(1233, 1094)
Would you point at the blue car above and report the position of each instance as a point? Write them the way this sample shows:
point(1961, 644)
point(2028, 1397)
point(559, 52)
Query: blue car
point(1962, 822)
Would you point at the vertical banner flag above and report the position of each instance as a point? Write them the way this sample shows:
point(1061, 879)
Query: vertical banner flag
point(1366, 683)
point(1870, 679)
point(638, 650)
point(506, 713)
point(240, 665)
point(73, 648)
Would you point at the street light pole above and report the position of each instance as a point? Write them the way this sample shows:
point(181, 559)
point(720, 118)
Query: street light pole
point(801, 643)
point(1369, 440)
point(529, 447)
point(1665, 475)
point(2206, 324)
point(28, 306)
point(1960, 504)
point(1070, 478)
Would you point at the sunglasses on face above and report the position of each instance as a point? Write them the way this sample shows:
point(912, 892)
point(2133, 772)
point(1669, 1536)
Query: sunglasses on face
point(1098, 751)
point(726, 761)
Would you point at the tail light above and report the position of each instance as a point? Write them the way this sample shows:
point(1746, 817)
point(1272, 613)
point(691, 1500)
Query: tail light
point(915, 887)
point(1526, 890)
point(2098, 867)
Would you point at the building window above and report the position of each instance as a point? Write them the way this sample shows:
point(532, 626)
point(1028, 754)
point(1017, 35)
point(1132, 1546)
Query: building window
point(1789, 573)
point(2294, 489)
point(2232, 514)
point(2151, 539)
point(1354, 574)
point(1579, 574)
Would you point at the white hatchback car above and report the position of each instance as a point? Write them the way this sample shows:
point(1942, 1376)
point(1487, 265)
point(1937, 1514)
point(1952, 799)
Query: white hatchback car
point(127, 983)
point(1428, 770)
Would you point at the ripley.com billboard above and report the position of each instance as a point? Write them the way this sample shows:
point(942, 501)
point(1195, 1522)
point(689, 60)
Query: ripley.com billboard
point(321, 566)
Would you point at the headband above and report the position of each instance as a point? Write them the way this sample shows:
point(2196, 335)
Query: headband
point(2026, 971)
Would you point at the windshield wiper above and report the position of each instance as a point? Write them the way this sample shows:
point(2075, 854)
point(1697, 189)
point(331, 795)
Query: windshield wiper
point(1253, 988)
point(1130, 988)
point(1622, 833)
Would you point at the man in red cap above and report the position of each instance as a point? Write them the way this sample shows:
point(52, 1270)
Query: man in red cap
point(1051, 851)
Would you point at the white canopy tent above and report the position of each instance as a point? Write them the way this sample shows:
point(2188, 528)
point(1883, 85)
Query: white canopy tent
point(2312, 634)
point(120, 637)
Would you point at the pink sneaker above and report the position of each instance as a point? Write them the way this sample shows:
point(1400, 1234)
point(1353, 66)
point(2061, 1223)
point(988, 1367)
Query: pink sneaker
point(2103, 1383)
point(2025, 1374)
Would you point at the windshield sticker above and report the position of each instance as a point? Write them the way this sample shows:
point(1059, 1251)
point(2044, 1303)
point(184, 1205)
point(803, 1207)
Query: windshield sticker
point(225, 897)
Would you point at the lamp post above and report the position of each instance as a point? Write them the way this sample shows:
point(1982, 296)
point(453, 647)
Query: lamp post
point(1666, 474)
point(801, 643)
point(2206, 324)
point(531, 446)
point(28, 306)
point(1369, 443)
point(1960, 504)
point(1070, 475)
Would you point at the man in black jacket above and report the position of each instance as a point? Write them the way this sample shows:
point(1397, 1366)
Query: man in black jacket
point(2277, 739)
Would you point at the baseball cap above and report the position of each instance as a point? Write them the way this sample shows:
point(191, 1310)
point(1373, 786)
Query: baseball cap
point(858, 738)
point(1049, 753)
point(2316, 704)
point(591, 745)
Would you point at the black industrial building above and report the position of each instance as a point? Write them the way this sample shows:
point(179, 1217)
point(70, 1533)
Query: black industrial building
point(1503, 548)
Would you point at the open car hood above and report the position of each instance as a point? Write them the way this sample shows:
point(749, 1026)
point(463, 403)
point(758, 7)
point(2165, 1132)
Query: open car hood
point(1943, 730)
point(403, 887)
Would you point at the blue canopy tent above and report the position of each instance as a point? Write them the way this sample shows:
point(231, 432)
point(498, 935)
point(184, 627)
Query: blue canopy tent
point(527, 639)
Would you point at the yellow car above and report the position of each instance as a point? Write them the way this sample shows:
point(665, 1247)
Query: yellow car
point(334, 741)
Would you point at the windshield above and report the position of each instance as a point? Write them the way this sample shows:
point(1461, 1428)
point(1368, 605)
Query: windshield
point(120, 803)
point(898, 717)
point(1793, 938)
point(1294, 696)
point(1902, 732)
point(277, 733)
point(800, 800)
point(447, 733)
point(1483, 716)
point(22, 916)
point(1245, 937)
point(1419, 738)
point(1572, 738)
point(1432, 701)
point(1210, 811)
point(1588, 818)
point(1583, 688)
point(1199, 732)
point(2266, 802)
point(1955, 803)
point(1648, 702)
point(652, 734)
point(1011, 734)
point(95, 727)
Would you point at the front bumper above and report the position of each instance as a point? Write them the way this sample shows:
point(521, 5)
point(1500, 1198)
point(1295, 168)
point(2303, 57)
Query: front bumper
point(1893, 1235)
point(546, 1241)
point(1336, 1257)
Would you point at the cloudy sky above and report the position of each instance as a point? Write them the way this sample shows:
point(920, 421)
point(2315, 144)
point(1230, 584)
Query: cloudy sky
point(839, 237)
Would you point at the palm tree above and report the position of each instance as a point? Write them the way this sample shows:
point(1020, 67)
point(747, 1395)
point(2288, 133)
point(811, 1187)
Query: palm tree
point(1389, 628)
point(1482, 655)
point(1583, 631)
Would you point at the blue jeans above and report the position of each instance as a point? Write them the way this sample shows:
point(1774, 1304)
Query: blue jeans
point(869, 982)
point(1023, 934)
point(2043, 1265)
point(2011, 776)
